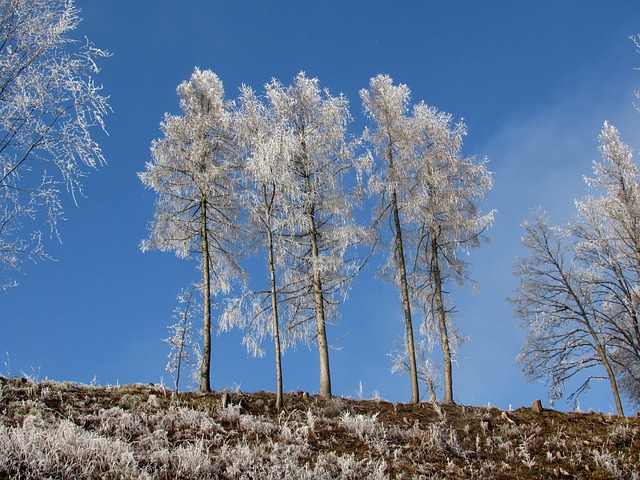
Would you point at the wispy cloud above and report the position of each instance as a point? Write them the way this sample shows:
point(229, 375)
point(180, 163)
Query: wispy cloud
point(539, 158)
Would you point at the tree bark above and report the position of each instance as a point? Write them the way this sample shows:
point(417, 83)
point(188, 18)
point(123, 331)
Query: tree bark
point(442, 318)
point(274, 301)
point(614, 385)
point(406, 304)
point(323, 347)
point(205, 368)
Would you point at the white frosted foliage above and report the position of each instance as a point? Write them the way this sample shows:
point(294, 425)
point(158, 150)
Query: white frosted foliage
point(49, 106)
point(430, 193)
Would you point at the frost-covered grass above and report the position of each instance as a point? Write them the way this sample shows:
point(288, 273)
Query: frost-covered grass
point(57, 430)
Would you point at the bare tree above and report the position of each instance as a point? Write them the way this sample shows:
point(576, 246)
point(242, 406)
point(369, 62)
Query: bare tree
point(49, 105)
point(561, 313)
point(191, 173)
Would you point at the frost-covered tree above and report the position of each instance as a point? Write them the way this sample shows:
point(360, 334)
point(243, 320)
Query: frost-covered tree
point(428, 371)
point(430, 191)
point(196, 208)
point(181, 340)
point(49, 105)
point(608, 231)
point(387, 105)
point(444, 188)
point(267, 149)
point(319, 258)
point(557, 301)
point(579, 293)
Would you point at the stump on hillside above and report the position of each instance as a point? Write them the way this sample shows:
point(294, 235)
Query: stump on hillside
point(537, 406)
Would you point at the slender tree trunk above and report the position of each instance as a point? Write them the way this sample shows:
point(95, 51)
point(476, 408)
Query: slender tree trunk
point(274, 301)
point(205, 368)
point(404, 287)
point(323, 347)
point(321, 327)
point(442, 318)
point(180, 353)
point(614, 385)
point(601, 350)
point(604, 359)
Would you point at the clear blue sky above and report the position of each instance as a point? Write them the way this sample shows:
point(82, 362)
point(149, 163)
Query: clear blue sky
point(534, 82)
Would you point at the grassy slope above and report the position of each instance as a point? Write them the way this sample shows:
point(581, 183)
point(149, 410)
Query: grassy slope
point(63, 430)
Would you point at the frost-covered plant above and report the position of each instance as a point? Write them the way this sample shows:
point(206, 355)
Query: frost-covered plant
point(330, 465)
point(182, 341)
point(49, 106)
point(578, 295)
point(440, 437)
point(188, 422)
point(297, 161)
point(63, 450)
point(427, 370)
point(230, 413)
point(363, 426)
point(193, 460)
point(623, 434)
point(607, 461)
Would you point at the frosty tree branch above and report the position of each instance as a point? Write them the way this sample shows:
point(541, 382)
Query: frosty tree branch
point(49, 105)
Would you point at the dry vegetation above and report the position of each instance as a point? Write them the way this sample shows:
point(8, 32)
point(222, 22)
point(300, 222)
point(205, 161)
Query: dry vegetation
point(64, 430)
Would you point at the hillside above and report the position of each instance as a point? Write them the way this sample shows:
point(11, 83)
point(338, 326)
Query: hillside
point(64, 430)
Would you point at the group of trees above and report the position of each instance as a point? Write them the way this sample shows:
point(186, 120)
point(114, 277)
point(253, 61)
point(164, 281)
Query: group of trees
point(279, 174)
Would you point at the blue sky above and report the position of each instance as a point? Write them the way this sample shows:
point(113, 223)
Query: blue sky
point(534, 82)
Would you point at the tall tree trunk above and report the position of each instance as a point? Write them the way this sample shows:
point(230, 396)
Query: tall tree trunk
point(274, 300)
point(323, 347)
point(205, 368)
point(318, 293)
point(442, 318)
point(404, 287)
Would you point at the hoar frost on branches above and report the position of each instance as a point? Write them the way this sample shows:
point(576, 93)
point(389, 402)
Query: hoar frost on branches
point(196, 208)
point(321, 255)
point(182, 341)
point(578, 295)
point(608, 232)
point(430, 193)
point(297, 160)
point(49, 104)
point(446, 190)
point(265, 147)
point(564, 331)
point(427, 370)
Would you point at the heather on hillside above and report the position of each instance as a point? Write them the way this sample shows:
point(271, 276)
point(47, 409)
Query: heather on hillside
point(64, 430)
